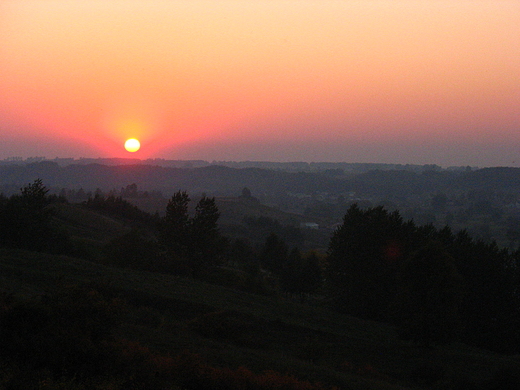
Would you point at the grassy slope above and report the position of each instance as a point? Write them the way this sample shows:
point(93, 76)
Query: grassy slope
point(232, 209)
point(230, 328)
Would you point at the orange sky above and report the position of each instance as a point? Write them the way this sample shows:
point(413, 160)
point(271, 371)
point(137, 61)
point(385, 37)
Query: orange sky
point(397, 81)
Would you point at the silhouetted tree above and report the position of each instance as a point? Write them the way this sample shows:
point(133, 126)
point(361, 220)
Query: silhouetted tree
point(273, 255)
point(194, 243)
point(372, 247)
point(491, 308)
point(206, 244)
point(120, 208)
point(27, 221)
point(130, 191)
point(174, 226)
point(429, 296)
point(363, 258)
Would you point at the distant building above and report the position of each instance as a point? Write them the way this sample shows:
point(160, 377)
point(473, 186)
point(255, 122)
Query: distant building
point(309, 225)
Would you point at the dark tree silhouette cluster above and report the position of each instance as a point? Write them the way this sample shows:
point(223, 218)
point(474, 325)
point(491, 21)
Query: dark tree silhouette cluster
point(301, 274)
point(120, 208)
point(27, 221)
point(427, 303)
point(434, 284)
point(297, 273)
point(192, 243)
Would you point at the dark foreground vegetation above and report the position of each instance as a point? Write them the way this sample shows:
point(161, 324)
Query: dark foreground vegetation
point(101, 295)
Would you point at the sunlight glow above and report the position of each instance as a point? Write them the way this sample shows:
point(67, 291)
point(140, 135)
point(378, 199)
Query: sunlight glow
point(132, 145)
point(362, 80)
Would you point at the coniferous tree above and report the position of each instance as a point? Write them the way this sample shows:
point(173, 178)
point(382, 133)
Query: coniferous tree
point(491, 306)
point(363, 258)
point(174, 226)
point(27, 221)
point(192, 243)
point(426, 307)
point(206, 243)
point(273, 255)
point(373, 247)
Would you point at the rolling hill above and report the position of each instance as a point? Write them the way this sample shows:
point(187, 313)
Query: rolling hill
point(228, 329)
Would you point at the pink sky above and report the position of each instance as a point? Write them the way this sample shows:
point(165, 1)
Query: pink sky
point(395, 81)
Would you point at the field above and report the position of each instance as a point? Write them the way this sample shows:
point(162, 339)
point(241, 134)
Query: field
point(229, 328)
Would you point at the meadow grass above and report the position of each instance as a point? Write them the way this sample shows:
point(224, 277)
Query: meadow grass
point(231, 328)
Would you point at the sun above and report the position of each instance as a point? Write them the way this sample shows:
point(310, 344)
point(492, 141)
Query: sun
point(132, 145)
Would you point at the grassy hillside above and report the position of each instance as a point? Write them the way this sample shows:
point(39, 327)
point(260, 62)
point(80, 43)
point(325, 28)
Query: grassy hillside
point(208, 336)
point(233, 211)
point(227, 328)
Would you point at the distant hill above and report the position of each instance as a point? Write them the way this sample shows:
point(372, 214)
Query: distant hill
point(293, 166)
point(291, 191)
point(223, 180)
point(214, 180)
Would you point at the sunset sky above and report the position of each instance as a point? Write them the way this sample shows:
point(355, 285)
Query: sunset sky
point(393, 81)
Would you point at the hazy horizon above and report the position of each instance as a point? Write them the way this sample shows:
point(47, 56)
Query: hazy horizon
point(366, 81)
point(233, 163)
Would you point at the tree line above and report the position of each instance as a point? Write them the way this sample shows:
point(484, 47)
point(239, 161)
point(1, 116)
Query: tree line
point(27, 221)
point(435, 285)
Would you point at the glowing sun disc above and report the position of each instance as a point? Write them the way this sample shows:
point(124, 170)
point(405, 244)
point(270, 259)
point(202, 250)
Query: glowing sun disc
point(132, 145)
